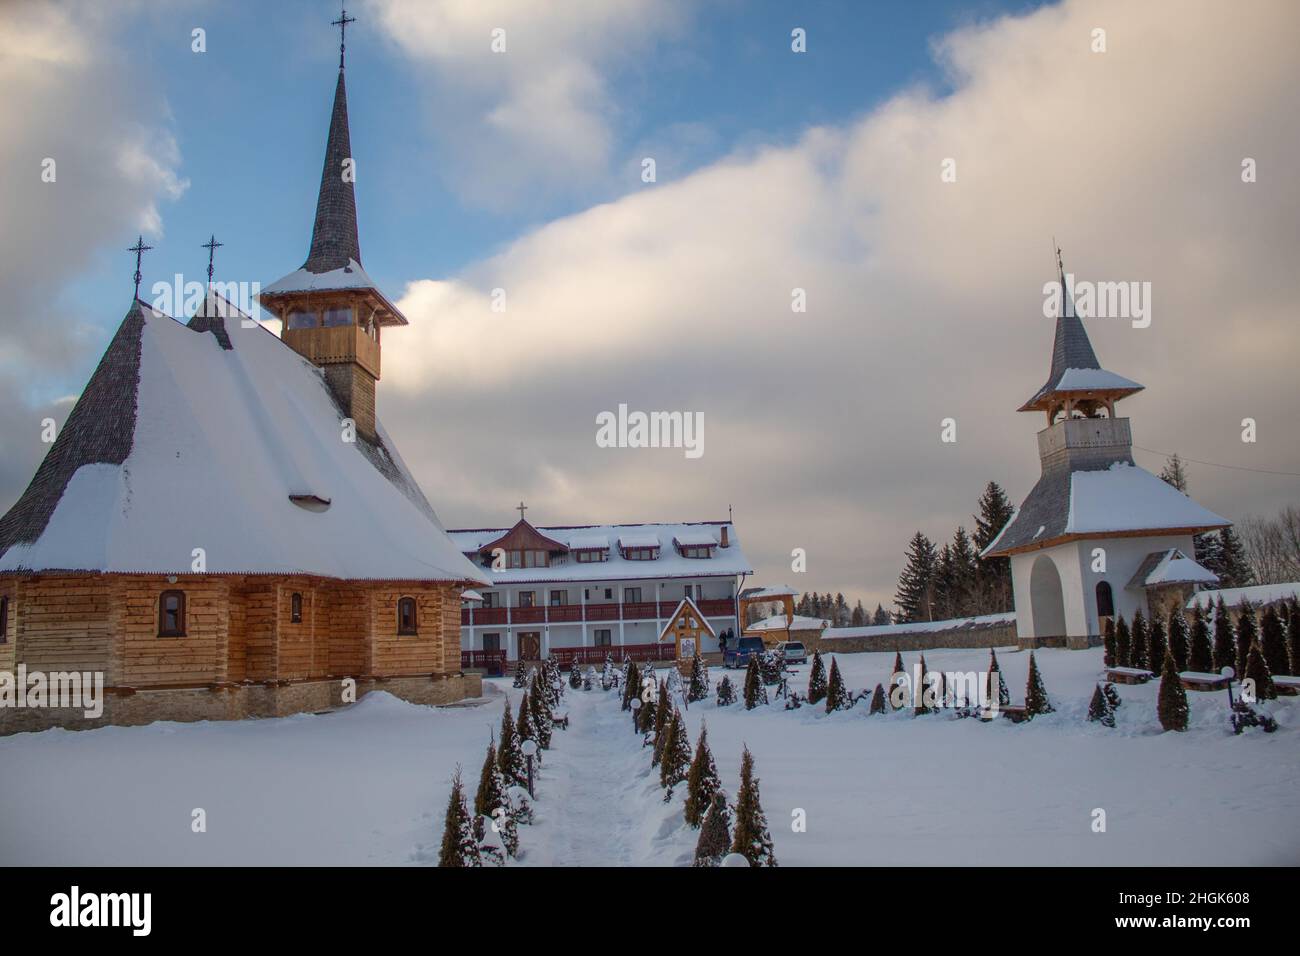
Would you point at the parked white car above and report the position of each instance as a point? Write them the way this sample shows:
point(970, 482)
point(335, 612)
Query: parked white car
point(793, 652)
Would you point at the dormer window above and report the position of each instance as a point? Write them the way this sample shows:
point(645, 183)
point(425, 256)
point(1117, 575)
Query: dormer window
point(171, 614)
point(302, 319)
point(697, 551)
point(592, 555)
point(640, 554)
point(529, 559)
point(338, 315)
point(406, 622)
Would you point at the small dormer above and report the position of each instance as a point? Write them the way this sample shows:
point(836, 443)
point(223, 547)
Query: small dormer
point(639, 546)
point(697, 543)
point(523, 546)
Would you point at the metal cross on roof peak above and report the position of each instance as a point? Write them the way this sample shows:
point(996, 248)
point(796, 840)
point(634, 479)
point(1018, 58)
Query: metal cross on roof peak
point(342, 23)
point(212, 246)
point(521, 508)
point(139, 249)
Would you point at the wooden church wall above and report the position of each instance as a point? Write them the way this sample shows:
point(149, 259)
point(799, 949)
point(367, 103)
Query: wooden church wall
point(9, 639)
point(146, 659)
point(395, 654)
point(348, 613)
point(64, 623)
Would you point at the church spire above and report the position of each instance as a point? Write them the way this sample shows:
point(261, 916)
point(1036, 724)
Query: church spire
point(334, 234)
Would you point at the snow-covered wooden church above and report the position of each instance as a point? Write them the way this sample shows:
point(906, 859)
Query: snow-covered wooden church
point(223, 528)
point(1097, 536)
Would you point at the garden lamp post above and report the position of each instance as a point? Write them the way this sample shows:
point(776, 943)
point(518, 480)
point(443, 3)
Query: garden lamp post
point(636, 706)
point(1229, 673)
point(529, 747)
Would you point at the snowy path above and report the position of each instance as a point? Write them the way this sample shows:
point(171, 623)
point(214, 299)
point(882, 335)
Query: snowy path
point(598, 801)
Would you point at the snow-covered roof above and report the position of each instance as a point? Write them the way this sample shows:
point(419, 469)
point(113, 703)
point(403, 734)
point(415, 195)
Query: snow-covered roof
point(1258, 594)
point(777, 623)
point(1093, 380)
point(351, 276)
point(923, 627)
point(769, 594)
point(1122, 497)
point(728, 562)
point(178, 443)
point(696, 537)
point(1170, 566)
point(701, 621)
point(469, 594)
point(589, 542)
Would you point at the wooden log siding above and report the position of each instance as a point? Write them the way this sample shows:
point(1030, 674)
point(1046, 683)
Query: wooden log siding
point(9, 589)
point(65, 624)
point(145, 658)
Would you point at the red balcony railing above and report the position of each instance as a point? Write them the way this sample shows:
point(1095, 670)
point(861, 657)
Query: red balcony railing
point(527, 615)
point(494, 662)
point(602, 612)
point(570, 613)
point(639, 610)
point(559, 613)
point(582, 656)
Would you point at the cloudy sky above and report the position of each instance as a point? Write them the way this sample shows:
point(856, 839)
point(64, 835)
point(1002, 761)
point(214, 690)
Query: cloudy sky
point(775, 170)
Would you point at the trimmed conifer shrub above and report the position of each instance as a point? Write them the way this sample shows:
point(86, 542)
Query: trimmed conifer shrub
point(1139, 644)
point(1036, 700)
point(1157, 645)
point(543, 718)
point(575, 676)
point(897, 678)
point(632, 684)
point(702, 781)
point(726, 692)
point(752, 839)
point(877, 701)
point(995, 669)
point(919, 703)
point(1108, 643)
point(1171, 701)
point(770, 667)
point(1179, 639)
point(676, 762)
point(837, 695)
point(525, 724)
point(817, 679)
point(1225, 652)
point(1099, 709)
point(1257, 671)
point(510, 755)
point(1112, 695)
point(521, 674)
point(1247, 634)
point(1123, 643)
point(698, 688)
point(663, 707)
point(490, 791)
point(1272, 642)
point(715, 833)
point(459, 848)
point(755, 692)
point(1200, 653)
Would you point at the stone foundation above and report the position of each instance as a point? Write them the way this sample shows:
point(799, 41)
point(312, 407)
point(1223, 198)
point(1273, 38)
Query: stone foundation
point(124, 707)
point(1002, 635)
point(1073, 642)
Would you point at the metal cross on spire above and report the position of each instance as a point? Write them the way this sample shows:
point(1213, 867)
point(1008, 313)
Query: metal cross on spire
point(139, 249)
point(342, 23)
point(521, 508)
point(212, 246)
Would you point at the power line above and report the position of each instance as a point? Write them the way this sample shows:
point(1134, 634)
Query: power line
point(1215, 464)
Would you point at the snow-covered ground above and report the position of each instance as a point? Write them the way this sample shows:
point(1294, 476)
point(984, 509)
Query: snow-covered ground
point(369, 785)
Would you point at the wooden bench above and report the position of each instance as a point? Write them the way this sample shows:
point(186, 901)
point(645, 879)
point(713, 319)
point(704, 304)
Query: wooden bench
point(560, 719)
point(1014, 713)
point(1128, 675)
point(1203, 680)
point(1287, 686)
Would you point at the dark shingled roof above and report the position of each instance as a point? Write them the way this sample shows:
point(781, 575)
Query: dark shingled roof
point(334, 236)
point(1070, 350)
point(1047, 506)
point(100, 430)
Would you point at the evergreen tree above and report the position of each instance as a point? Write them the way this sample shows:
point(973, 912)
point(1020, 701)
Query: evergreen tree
point(715, 833)
point(1036, 701)
point(702, 782)
point(945, 593)
point(993, 575)
point(1171, 701)
point(1108, 643)
point(755, 692)
point(1272, 642)
point(589, 678)
point(1200, 655)
point(1293, 637)
point(1099, 709)
point(1123, 643)
point(877, 701)
point(726, 692)
point(841, 611)
point(1247, 634)
point(1257, 671)
point(1001, 693)
point(575, 676)
point(1112, 695)
point(676, 761)
point(859, 618)
point(543, 717)
point(521, 674)
point(837, 695)
point(919, 703)
point(817, 679)
point(770, 666)
point(1145, 641)
point(699, 686)
point(1174, 473)
point(525, 723)
point(752, 840)
point(1178, 638)
point(880, 618)
point(459, 848)
point(1236, 572)
point(631, 684)
point(1225, 653)
point(510, 756)
point(663, 718)
point(915, 596)
point(491, 788)
point(964, 588)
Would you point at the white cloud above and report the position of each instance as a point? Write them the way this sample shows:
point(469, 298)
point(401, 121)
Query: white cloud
point(924, 299)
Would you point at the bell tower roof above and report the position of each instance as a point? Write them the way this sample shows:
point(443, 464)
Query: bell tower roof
point(334, 241)
point(1076, 375)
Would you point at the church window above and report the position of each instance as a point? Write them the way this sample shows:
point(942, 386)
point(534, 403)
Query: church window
point(300, 319)
point(338, 316)
point(406, 623)
point(171, 614)
point(1105, 600)
point(295, 608)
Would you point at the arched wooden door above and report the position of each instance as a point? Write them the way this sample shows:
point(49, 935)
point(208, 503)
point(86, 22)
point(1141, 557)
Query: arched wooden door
point(530, 646)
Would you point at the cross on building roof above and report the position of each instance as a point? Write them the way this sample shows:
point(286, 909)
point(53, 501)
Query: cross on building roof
point(212, 246)
point(139, 249)
point(342, 23)
point(521, 508)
